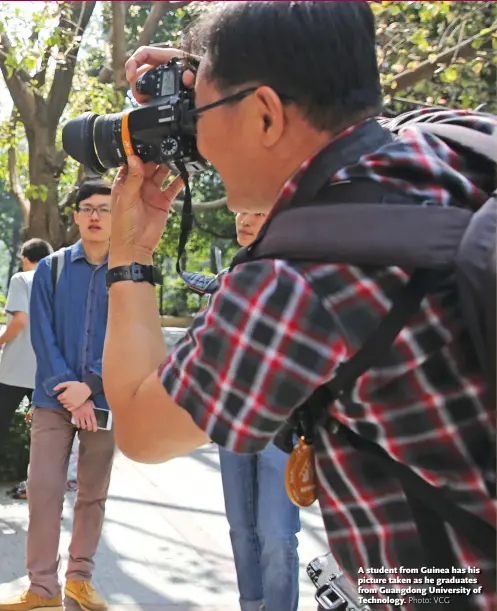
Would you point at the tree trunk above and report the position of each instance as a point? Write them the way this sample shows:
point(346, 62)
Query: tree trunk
point(45, 167)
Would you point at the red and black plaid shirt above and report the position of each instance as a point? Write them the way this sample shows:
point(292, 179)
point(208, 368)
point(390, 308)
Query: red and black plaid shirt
point(266, 341)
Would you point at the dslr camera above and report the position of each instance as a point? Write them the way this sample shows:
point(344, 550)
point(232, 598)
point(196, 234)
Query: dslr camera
point(162, 131)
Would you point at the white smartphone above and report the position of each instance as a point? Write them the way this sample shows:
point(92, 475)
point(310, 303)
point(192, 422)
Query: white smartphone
point(103, 418)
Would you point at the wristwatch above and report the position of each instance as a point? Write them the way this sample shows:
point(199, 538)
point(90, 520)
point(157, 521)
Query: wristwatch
point(136, 272)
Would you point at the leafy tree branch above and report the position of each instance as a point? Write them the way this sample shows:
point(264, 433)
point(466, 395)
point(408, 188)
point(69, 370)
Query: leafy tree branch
point(73, 22)
point(17, 81)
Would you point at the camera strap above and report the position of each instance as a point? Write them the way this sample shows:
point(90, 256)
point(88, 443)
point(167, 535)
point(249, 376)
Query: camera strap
point(199, 283)
point(186, 216)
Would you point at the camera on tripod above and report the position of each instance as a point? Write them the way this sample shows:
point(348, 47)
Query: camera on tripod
point(162, 131)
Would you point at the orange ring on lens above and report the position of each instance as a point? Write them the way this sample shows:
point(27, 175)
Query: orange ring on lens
point(125, 136)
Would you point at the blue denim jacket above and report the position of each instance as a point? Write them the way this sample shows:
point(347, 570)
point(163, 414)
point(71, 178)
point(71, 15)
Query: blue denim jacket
point(68, 328)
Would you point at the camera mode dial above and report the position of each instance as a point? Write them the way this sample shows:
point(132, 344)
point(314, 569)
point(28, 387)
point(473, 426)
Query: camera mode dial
point(169, 147)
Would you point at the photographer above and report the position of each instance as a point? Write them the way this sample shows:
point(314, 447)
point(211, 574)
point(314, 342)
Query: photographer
point(308, 90)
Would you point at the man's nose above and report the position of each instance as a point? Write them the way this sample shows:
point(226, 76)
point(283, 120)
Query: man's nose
point(95, 212)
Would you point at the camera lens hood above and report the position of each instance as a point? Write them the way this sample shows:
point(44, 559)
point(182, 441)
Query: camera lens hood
point(78, 143)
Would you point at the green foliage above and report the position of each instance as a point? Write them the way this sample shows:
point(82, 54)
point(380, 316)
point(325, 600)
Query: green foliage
point(410, 33)
point(170, 28)
point(175, 299)
point(14, 454)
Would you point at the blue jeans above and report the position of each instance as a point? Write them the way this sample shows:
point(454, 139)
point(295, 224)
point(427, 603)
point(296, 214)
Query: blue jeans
point(263, 526)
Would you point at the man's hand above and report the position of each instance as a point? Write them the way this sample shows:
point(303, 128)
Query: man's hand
point(84, 417)
point(145, 58)
point(74, 395)
point(139, 211)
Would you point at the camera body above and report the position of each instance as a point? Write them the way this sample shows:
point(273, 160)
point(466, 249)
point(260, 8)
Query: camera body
point(333, 590)
point(162, 131)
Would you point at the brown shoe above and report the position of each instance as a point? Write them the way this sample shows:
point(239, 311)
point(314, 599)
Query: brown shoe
point(85, 595)
point(29, 601)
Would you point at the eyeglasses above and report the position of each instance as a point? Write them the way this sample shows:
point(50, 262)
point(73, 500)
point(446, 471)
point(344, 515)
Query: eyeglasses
point(89, 210)
point(230, 99)
point(192, 63)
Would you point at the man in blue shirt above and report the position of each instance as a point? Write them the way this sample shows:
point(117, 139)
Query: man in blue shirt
point(68, 321)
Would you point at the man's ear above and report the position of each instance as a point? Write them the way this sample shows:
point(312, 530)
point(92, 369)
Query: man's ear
point(76, 217)
point(272, 115)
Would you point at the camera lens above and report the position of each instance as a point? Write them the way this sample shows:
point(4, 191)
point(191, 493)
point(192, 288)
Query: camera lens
point(95, 141)
point(77, 141)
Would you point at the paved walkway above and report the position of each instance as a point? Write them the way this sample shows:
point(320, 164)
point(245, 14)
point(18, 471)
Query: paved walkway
point(165, 544)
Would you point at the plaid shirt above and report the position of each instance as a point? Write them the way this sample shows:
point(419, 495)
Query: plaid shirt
point(266, 341)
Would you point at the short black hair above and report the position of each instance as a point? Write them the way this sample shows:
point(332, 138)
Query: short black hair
point(320, 54)
point(92, 187)
point(35, 250)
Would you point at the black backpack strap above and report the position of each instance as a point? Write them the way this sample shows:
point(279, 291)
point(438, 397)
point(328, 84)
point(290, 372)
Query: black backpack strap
point(57, 261)
point(476, 531)
point(356, 233)
point(406, 304)
point(431, 510)
point(54, 264)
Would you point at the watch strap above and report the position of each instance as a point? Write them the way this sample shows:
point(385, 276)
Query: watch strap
point(136, 272)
